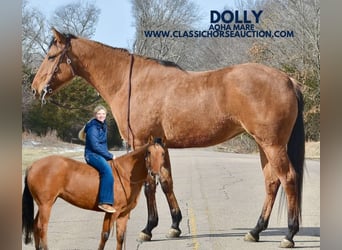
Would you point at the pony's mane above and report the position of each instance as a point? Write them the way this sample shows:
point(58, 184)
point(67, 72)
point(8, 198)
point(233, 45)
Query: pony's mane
point(165, 63)
point(159, 141)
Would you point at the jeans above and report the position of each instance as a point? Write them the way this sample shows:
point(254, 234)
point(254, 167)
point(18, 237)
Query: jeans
point(106, 191)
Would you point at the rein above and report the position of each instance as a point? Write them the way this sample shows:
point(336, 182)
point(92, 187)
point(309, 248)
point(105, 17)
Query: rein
point(63, 54)
point(129, 129)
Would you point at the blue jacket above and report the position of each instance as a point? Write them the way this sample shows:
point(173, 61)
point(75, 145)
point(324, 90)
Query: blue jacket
point(96, 139)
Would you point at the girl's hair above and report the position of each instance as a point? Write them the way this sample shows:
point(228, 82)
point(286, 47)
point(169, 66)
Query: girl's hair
point(81, 133)
point(98, 108)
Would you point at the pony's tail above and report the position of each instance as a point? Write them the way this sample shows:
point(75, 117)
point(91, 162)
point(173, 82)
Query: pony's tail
point(27, 213)
point(296, 149)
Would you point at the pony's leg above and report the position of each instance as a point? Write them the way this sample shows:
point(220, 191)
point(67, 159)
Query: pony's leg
point(36, 231)
point(106, 228)
point(152, 220)
point(121, 225)
point(283, 169)
point(167, 187)
point(272, 184)
point(41, 226)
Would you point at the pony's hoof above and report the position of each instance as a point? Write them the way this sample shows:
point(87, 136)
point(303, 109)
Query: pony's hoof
point(249, 237)
point(174, 233)
point(144, 237)
point(285, 243)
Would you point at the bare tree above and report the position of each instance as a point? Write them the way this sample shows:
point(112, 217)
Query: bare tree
point(300, 55)
point(34, 36)
point(77, 18)
point(164, 15)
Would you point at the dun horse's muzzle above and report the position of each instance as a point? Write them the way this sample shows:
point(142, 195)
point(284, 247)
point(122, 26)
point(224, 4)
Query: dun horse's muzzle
point(43, 93)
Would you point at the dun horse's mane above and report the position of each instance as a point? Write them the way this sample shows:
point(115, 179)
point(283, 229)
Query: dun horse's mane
point(165, 63)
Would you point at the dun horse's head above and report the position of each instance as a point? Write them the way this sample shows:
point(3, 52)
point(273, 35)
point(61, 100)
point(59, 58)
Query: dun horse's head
point(155, 156)
point(56, 68)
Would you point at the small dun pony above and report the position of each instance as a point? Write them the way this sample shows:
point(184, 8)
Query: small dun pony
point(191, 109)
point(56, 176)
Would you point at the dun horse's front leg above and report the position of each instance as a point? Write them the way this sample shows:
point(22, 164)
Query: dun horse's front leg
point(167, 187)
point(278, 170)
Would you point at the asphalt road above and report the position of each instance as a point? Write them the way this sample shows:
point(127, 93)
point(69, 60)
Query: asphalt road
point(220, 196)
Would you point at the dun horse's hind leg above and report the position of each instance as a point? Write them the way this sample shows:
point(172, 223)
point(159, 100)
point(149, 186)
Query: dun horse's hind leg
point(41, 227)
point(271, 185)
point(281, 167)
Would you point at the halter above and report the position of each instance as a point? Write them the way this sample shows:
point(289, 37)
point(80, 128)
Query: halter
point(156, 177)
point(62, 54)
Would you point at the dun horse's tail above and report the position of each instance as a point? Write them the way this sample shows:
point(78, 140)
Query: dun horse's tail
point(296, 146)
point(27, 213)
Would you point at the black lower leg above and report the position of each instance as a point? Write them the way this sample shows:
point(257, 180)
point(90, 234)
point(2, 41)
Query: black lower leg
point(176, 219)
point(176, 214)
point(260, 226)
point(293, 224)
point(152, 220)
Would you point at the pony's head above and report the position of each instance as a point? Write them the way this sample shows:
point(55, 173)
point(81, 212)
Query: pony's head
point(155, 156)
point(56, 68)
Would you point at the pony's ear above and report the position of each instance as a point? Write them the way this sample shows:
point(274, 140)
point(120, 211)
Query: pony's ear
point(150, 139)
point(60, 38)
point(164, 140)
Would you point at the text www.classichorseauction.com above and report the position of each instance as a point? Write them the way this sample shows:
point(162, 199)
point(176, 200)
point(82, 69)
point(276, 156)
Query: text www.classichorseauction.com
point(227, 24)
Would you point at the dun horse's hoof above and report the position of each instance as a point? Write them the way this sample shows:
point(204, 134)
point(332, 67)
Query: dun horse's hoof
point(285, 243)
point(174, 233)
point(249, 237)
point(144, 237)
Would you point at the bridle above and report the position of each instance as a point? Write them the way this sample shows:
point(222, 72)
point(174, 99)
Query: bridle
point(154, 177)
point(62, 54)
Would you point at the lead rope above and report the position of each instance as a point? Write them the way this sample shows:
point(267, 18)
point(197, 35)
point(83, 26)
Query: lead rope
point(129, 129)
point(123, 187)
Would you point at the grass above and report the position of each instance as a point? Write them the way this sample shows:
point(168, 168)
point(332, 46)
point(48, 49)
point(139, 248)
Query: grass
point(35, 147)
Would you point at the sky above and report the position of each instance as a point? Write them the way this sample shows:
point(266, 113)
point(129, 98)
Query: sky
point(115, 24)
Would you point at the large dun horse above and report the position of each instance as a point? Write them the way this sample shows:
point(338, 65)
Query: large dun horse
point(191, 109)
point(78, 183)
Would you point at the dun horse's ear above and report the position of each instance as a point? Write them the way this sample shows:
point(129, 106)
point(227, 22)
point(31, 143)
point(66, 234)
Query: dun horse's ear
point(150, 139)
point(60, 38)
